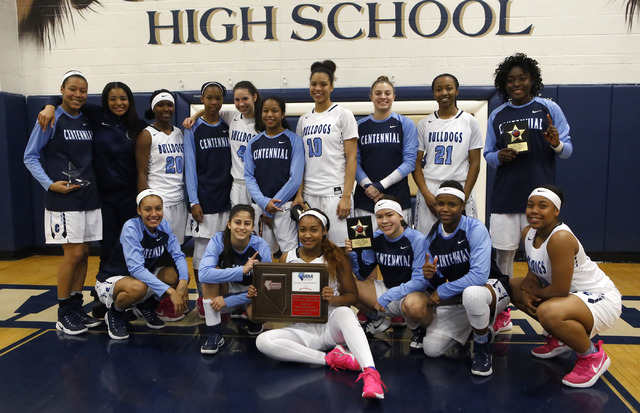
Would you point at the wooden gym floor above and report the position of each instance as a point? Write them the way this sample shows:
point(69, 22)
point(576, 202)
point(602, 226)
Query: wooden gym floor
point(45, 371)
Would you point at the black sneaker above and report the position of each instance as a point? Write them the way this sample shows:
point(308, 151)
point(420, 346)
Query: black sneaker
point(254, 328)
point(213, 342)
point(481, 364)
point(373, 327)
point(69, 322)
point(418, 337)
point(85, 318)
point(147, 311)
point(116, 325)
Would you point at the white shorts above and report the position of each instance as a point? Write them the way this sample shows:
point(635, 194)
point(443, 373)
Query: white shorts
point(105, 290)
point(425, 219)
point(452, 321)
point(329, 204)
point(394, 309)
point(506, 230)
point(199, 247)
point(605, 308)
point(318, 336)
point(176, 216)
point(72, 227)
point(408, 218)
point(210, 224)
point(284, 234)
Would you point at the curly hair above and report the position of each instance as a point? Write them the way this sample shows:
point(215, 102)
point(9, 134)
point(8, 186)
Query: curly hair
point(528, 65)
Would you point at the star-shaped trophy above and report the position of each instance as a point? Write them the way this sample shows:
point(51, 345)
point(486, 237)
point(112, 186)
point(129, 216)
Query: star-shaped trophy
point(74, 176)
point(516, 139)
point(360, 232)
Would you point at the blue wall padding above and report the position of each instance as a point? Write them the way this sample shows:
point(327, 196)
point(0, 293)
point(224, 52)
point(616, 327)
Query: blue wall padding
point(599, 180)
point(623, 220)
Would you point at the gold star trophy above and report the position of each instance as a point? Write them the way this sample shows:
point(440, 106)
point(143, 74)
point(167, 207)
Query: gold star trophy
point(516, 138)
point(360, 232)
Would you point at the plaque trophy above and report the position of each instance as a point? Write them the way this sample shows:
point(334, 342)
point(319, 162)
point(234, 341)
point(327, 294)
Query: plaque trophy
point(515, 137)
point(360, 232)
point(290, 292)
point(73, 174)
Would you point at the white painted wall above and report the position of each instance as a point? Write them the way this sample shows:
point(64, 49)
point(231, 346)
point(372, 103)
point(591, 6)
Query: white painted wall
point(9, 48)
point(575, 41)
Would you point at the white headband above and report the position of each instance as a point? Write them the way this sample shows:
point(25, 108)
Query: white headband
point(451, 191)
point(316, 214)
point(73, 73)
point(549, 194)
point(160, 97)
point(388, 204)
point(145, 193)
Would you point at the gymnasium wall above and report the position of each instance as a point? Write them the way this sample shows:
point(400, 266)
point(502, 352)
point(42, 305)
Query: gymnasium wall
point(599, 179)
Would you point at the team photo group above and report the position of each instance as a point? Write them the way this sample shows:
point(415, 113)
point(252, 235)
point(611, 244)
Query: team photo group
point(248, 189)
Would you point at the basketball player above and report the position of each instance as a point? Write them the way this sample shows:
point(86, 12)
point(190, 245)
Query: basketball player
point(160, 163)
point(226, 271)
point(387, 146)
point(470, 290)
point(274, 165)
point(399, 252)
point(307, 343)
point(208, 176)
point(564, 290)
point(449, 145)
point(146, 264)
point(72, 209)
point(524, 137)
point(329, 134)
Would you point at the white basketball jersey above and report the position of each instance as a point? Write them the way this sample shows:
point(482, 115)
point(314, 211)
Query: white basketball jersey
point(166, 165)
point(446, 144)
point(323, 135)
point(292, 257)
point(241, 130)
point(587, 276)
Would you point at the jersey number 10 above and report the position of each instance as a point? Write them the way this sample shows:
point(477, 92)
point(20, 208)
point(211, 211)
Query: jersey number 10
point(315, 147)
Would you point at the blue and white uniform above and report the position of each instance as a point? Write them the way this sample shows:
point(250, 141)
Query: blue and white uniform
point(400, 261)
point(274, 166)
point(208, 176)
point(47, 155)
point(166, 175)
point(445, 144)
point(386, 155)
point(214, 269)
point(515, 180)
point(323, 135)
point(589, 282)
point(464, 261)
point(307, 342)
point(140, 254)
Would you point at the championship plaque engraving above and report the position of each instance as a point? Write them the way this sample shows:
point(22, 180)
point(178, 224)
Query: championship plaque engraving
point(516, 136)
point(290, 292)
point(360, 232)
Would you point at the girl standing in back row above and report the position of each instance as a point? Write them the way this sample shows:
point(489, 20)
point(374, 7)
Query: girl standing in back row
point(329, 134)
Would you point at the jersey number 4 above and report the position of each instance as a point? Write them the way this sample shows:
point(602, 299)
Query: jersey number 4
point(174, 165)
point(443, 155)
point(315, 147)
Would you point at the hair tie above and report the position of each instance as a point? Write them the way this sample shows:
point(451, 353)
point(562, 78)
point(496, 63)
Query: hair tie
point(217, 84)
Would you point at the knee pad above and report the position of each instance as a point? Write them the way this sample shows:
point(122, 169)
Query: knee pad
point(435, 345)
point(476, 300)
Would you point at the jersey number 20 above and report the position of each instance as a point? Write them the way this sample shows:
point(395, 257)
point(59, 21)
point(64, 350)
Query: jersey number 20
point(174, 165)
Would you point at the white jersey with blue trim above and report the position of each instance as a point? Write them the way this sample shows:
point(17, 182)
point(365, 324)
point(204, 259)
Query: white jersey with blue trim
point(241, 131)
point(166, 165)
point(292, 257)
point(587, 276)
point(446, 144)
point(323, 135)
